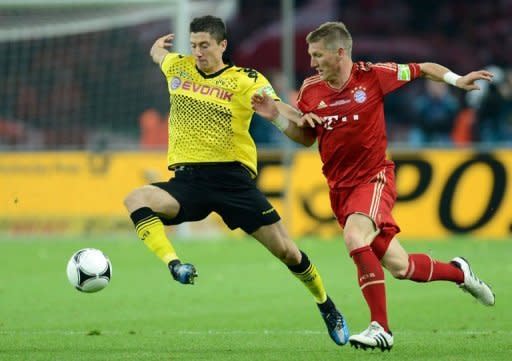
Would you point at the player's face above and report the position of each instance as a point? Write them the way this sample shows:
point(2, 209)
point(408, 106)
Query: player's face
point(325, 61)
point(207, 51)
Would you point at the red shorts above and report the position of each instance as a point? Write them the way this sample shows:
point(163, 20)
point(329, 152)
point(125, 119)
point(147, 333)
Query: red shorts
point(374, 199)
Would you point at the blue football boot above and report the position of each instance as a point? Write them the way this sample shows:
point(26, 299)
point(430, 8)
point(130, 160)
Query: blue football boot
point(182, 272)
point(336, 325)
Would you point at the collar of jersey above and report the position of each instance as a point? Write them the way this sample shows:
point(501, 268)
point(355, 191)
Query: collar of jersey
point(213, 75)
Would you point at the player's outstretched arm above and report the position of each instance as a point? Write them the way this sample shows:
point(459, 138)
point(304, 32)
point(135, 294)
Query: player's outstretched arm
point(467, 82)
point(160, 48)
point(286, 118)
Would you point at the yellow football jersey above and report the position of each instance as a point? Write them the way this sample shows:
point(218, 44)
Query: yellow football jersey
point(210, 114)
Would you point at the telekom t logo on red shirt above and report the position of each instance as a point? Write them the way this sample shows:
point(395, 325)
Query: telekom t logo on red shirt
point(331, 120)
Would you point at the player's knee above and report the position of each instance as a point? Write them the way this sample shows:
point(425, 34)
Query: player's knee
point(353, 240)
point(128, 200)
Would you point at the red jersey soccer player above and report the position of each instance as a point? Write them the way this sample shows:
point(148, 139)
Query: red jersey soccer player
point(343, 108)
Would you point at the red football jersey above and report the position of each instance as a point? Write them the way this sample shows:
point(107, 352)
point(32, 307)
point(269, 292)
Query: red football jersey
point(352, 141)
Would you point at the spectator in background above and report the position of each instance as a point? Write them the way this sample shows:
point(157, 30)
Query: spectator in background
point(399, 113)
point(153, 130)
point(493, 108)
point(506, 90)
point(434, 112)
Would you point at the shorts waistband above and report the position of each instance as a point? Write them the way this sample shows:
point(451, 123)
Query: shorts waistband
point(198, 166)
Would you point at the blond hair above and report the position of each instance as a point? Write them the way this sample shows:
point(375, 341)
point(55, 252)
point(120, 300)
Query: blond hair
point(335, 35)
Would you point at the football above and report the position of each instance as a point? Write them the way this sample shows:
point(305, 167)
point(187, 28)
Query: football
point(89, 270)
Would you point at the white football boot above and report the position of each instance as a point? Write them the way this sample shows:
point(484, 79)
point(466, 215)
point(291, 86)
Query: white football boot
point(374, 336)
point(474, 285)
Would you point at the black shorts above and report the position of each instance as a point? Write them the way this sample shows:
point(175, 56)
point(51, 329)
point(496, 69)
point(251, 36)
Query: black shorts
point(225, 188)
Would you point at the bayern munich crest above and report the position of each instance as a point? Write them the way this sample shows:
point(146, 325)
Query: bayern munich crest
point(175, 83)
point(359, 94)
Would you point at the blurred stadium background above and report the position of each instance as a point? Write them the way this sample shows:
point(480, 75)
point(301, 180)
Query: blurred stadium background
point(83, 121)
point(83, 110)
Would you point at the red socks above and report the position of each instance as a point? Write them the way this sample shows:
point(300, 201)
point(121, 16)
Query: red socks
point(422, 268)
point(371, 281)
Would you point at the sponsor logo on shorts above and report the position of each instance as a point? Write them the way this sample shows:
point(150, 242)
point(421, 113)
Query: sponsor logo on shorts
point(268, 211)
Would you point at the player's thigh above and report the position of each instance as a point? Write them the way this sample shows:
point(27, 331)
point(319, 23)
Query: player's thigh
point(192, 197)
point(245, 207)
point(352, 209)
point(365, 210)
point(396, 259)
point(276, 239)
point(156, 198)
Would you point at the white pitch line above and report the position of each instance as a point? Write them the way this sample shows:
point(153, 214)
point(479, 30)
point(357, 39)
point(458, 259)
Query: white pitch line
point(241, 332)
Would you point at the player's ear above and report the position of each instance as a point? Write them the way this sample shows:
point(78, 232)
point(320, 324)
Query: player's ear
point(223, 44)
point(341, 52)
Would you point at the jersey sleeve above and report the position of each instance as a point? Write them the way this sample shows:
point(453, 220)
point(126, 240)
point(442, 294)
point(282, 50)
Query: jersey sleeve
point(257, 83)
point(302, 103)
point(169, 60)
point(392, 76)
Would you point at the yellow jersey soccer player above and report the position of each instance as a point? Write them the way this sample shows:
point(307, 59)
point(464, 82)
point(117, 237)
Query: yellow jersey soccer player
point(214, 160)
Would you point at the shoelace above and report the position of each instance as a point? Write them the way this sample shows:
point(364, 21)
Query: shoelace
point(178, 272)
point(372, 330)
point(334, 320)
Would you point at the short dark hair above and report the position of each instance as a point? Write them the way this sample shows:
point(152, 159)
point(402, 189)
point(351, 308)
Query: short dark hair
point(211, 25)
point(334, 35)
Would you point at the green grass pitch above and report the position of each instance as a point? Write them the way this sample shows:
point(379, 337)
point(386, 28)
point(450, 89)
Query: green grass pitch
point(244, 306)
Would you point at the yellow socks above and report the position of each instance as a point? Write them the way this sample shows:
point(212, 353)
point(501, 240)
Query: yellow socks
point(307, 273)
point(150, 230)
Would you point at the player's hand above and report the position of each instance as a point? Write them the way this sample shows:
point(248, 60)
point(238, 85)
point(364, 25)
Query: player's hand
point(310, 119)
point(264, 106)
point(160, 48)
point(468, 81)
point(164, 42)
